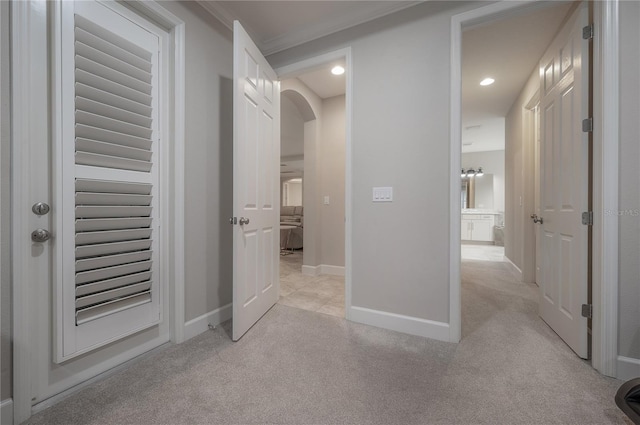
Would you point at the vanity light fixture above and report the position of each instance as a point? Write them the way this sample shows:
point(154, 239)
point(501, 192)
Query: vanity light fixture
point(337, 70)
point(487, 81)
point(472, 173)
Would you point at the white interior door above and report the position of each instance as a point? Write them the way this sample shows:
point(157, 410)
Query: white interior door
point(564, 183)
point(256, 184)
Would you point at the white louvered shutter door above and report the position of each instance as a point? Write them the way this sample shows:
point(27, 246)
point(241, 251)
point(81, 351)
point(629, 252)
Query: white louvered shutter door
point(106, 179)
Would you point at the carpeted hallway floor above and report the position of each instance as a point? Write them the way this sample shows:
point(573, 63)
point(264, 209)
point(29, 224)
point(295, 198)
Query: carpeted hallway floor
point(302, 367)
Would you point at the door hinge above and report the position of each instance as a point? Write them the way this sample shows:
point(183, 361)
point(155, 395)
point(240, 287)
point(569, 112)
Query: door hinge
point(587, 125)
point(233, 220)
point(587, 32)
point(587, 218)
point(587, 311)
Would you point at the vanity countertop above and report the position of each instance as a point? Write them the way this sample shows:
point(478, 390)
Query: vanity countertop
point(479, 212)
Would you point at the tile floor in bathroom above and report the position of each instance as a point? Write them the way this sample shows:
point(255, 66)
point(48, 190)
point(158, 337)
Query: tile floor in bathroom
point(322, 294)
point(482, 252)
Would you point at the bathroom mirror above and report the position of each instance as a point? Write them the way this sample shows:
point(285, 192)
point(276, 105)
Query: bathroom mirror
point(477, 192)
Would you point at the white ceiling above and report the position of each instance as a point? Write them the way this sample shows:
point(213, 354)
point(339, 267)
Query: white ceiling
point(508, 51)
point(278, 25)
point(323, 82)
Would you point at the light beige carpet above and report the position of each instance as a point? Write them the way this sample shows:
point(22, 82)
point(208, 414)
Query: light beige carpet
point(301, 367)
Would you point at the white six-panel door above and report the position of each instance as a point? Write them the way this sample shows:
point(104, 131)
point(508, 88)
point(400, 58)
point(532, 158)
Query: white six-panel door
point(256, 190)
point(564, 183)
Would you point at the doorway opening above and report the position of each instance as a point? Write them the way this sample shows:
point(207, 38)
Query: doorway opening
point(500, 88)
point(312, 212)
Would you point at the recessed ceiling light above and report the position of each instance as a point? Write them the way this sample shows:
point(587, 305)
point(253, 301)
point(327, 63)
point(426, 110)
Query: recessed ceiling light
point(337, 70)
point(487, 82)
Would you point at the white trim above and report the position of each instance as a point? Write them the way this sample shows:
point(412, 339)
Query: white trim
point(298, 68)
point(325, 269)
point(605, 188)
point(467, 19)
point(118, 367)
point(628, 368)
point(310, 270)
point(200, 324)
point(6, 412)
point(311, 32)
point(176, 28)
point(28, 40)
point(455, 212)
point(514, 269)
point(400, 323)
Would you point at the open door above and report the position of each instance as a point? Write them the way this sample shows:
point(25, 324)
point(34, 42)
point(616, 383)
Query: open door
point(256, 184)
point(564, 190)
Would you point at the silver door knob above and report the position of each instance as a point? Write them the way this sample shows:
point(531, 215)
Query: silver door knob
point(243, 221)
point(40, 208)
point(40, 235)
point(536, 219)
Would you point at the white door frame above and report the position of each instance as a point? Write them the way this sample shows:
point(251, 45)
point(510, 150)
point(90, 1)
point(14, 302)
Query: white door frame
point(605, 173)
point(297, 68)
point(29, 106)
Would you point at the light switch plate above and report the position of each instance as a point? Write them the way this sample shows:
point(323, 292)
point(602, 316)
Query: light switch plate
point(383, 194)
point(326, 200)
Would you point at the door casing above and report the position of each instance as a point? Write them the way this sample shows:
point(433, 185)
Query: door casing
point(298, 68)
point(29, 122)
point(605, 173)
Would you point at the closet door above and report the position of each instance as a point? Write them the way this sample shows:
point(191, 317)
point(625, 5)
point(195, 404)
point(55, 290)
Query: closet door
point(106, 172)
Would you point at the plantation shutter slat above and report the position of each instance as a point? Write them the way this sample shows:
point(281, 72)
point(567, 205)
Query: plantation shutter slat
point(111, 248)
point(104, 46)
point(112, 294)
point(105, 84)
point(112, 212)
point(111, 307)
point(86, 238)
point(84, 91)
point(87, 225)
point(109, 166)
point(111, 111)
point(105, 285)
point(108, 149)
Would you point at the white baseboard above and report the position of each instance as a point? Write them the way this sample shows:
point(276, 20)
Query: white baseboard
point(397, 322)
point(331, 270)
point(323, 269)
point(515, 269)
point(628, 368)
point(6, 412)
point(310, 270)
point(201, 324)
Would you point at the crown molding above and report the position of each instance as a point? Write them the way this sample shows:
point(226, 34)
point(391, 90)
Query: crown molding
point(218, 11)
point(322, 29)
point(309, 33)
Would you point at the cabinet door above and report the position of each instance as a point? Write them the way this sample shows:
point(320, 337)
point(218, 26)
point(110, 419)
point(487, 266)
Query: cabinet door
point(483, 230)
point(466, 229)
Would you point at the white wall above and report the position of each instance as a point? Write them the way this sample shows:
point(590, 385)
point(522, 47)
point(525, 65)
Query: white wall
point(629, 215)
point(400, 138)
point(291, 128)
point(492, 162)
point(519, 242)
point(208, 151)
point(310, 182)
point(332, 174)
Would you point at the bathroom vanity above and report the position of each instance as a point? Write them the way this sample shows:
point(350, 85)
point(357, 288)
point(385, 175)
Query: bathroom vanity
point(477, 225)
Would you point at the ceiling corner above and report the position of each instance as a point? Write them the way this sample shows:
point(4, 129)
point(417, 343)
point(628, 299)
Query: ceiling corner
point(218, 11)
